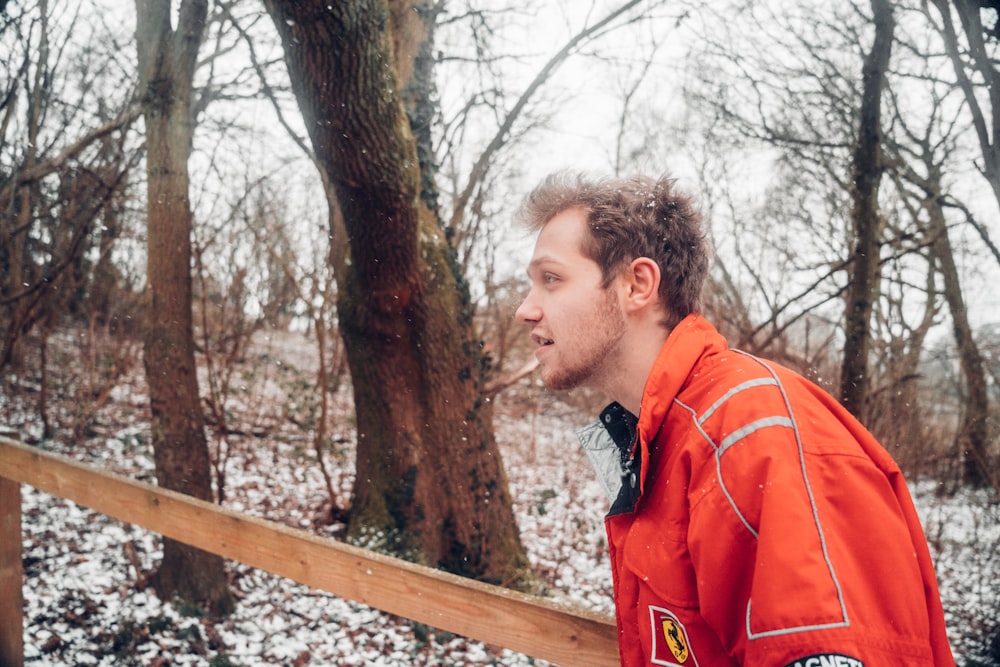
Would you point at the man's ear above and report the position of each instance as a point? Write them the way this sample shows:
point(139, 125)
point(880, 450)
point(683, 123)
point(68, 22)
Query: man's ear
point(642, 278)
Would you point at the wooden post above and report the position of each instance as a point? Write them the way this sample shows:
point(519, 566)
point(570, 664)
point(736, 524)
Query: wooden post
point(11, 579)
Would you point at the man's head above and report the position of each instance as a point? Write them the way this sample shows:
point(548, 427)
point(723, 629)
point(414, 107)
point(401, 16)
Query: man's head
point(617, 264)
point(630, 218)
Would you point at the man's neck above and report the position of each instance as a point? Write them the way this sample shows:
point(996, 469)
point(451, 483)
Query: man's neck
point(640, 349)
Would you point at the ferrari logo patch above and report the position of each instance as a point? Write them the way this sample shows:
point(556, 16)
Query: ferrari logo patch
point(670, 639)
point(675, 642)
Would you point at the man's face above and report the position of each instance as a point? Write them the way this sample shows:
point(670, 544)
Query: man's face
point(575, 322)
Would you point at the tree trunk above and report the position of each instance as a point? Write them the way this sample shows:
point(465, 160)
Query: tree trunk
point(973, 433)
point(180, 450)
point(430, 483)
point(866, 220)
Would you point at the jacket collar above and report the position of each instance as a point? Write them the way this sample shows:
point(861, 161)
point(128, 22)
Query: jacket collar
point(690, 340)
point(610, 442)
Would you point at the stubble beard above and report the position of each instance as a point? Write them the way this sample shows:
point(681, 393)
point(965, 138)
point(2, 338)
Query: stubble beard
point(591, 362)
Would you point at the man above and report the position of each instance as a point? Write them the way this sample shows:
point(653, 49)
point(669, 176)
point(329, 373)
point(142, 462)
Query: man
point(753, 521)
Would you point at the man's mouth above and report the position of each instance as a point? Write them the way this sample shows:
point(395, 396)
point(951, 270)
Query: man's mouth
point(541, 341)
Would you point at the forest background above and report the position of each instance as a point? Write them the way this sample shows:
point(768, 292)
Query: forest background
point(179, 180)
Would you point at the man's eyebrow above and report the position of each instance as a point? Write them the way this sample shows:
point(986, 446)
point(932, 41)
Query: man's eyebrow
point(538, 263)
point(543, 260)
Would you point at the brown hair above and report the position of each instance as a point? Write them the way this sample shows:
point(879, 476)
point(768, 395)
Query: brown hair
point(630, 218)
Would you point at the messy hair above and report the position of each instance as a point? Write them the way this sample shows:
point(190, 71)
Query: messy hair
point(630, 218)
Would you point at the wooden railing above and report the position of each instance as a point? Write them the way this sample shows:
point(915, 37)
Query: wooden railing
point(531, 625)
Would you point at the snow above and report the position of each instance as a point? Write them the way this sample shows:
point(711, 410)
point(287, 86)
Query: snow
point(87, 599)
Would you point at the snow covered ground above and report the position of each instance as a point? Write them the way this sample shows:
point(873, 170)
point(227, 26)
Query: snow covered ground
point(87, 601)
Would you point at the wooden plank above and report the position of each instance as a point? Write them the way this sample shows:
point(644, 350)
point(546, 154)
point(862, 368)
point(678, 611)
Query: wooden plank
point(11, 576)
point(524, 623)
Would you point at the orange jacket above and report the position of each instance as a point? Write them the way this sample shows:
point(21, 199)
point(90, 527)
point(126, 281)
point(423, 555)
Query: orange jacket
point(769, 527)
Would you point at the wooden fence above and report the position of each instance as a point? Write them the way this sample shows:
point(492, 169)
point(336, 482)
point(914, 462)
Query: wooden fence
point(535, 626)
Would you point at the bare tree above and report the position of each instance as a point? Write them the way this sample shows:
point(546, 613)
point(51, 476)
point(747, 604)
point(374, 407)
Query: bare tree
point(461, 224)
point(771, 126)
point(866, 219)
point(802, 98)
point(977, 73)
point(899, 265)
point(65, 154)
point(167, 59)
point(973, 435)
point(918, 166)
point(316, 291)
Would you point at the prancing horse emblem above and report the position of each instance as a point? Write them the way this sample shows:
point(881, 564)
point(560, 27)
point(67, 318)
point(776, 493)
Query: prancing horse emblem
point(675, 639)
point(671, 644)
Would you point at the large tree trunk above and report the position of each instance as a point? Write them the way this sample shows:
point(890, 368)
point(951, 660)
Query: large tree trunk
point(866, 220)
point(180, 450)
point(430, 482)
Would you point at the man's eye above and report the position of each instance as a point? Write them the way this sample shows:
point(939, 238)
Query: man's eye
point(549, 278)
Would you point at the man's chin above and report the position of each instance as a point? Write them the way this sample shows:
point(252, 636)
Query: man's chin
point(560, 381)
point(551, 382)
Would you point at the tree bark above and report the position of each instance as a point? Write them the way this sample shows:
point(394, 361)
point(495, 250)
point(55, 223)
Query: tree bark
point(863, 273)
point(166, 68)
point(430, 483)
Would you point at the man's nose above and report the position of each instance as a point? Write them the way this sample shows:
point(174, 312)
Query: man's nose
point(528, 311)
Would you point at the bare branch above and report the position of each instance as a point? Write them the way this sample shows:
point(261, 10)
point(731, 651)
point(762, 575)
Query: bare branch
point(502, 135)
point(42, 169)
